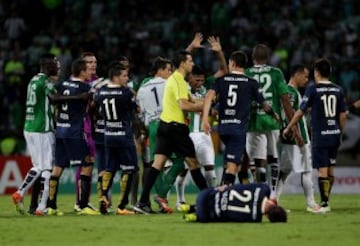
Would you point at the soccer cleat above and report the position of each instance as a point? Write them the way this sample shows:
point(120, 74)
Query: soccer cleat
point(124, 211)
point(88, 211)
point(142, 208)
point(315, 209)
point(18, 201)
point(178, 206)
point(39, 213)
point(54, 212)
point(163, 204)
point(183, 207)
point(89, 205)
point(325, 207)
point(78, 209)
point(190, 217)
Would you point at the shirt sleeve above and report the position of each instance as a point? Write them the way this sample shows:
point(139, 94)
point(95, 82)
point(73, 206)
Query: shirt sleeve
point(308, 98)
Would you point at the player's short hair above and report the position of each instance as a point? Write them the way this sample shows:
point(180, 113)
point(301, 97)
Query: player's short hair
point(77, 66)
point(277, 214)
point(261, 53)
point(159, 63)
point(179, 57)
point(323, 67)
point(297, 68)
point(115, 69)
point(124, 60)
point(197, 70)
point(86, 54)
point(239, 58)
point(48, 64)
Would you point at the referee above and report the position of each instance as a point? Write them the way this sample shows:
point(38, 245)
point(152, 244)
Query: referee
point(173, 133)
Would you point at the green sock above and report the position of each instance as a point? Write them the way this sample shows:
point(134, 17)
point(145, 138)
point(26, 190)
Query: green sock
point(165, 180)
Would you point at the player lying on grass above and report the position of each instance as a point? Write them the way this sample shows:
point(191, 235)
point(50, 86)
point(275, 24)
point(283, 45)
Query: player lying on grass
point(237, 203)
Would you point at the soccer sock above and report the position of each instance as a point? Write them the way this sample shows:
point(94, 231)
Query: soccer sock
point(98, 187)
point(210, 177)
point(77, 184)
point(84, 190)
point(307, 184)
point(324, 188)
point(53, 190)
point(45, 176)
point(252, 169)
point(282, 178)
point(229, 179)
point(125, 187)
point(260, 174)
point(35, 195)
point(198, 178)
point(331, 180)
point(105, 183)
point(134, 187)
point(165, 181)
point(274, 178)
point(180, 188)
point(243, 177)
point(30, 178)
point(145, 173)
point(149, 182)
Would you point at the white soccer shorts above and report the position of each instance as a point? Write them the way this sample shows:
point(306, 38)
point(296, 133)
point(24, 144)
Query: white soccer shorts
point(41, 148)
point(294, 158)
point(261, 144)
point(204, 148)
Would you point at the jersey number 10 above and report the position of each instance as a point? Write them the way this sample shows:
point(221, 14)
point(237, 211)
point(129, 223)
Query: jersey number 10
point(329, 102)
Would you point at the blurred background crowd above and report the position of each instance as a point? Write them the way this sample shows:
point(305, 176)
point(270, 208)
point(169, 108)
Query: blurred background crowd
point(298, 31)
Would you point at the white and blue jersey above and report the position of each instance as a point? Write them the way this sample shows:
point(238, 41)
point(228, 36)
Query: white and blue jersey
point(237, 203)
point(117, 105)
point(235, 93)
point(326, 101)
point(71, 113)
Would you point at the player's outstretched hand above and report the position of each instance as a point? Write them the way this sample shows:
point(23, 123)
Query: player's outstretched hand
point(196, 42)
point(214, 43)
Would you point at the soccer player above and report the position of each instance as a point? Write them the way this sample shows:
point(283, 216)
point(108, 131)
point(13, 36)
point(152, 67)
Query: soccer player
point(39, 132)
point(117, 102)
point(91, 62)
point(149, 98)
point(328, 117)
point(292, 157)
point(236, 203)
point(233, 111)
point(173, 133)
point(264, 130)
point(71, 146)
point(203, 144)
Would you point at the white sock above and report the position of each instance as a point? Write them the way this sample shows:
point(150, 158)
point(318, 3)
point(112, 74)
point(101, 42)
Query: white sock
point(29, 180)
point(210, 177)
point(274, 179)
point(180, 189)
point(45, 176)
point(308, 187)
point(281, 183)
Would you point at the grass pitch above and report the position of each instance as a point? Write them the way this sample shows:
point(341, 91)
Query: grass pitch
point(339, 227)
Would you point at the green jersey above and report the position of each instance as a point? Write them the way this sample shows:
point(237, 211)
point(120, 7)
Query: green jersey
point(39, 111)
point(195, 118)
point(273, 86)
point(295, 99)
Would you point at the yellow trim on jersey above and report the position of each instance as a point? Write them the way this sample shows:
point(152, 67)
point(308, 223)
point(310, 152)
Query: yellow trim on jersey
point(175, 88)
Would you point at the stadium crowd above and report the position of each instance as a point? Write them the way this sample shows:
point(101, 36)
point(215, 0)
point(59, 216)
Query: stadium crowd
point(297, 32)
